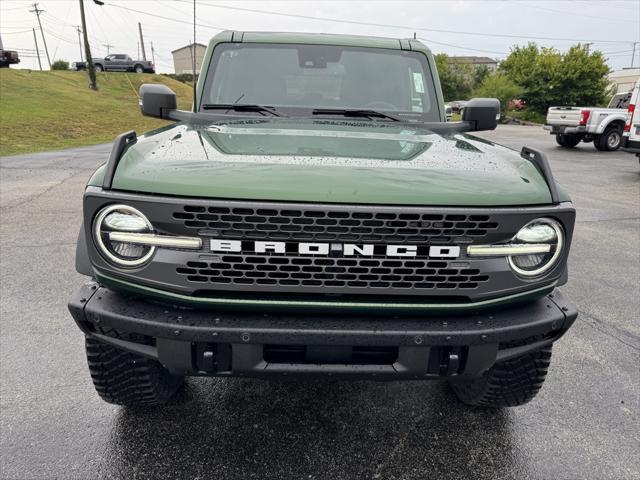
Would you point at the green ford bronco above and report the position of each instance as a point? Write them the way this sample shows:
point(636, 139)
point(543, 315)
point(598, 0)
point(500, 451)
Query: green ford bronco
point(315, 215)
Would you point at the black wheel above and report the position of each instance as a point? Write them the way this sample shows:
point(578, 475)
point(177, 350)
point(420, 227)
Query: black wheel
point(568, 141)
point(610, 140)
point(507, 384)
point(139, 69)
point(124, 378)
point(99, 67)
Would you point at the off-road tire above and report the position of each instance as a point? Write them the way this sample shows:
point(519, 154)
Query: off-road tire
point(568, 141)
point(609, 141)
point(507, 384)
point(124, 378)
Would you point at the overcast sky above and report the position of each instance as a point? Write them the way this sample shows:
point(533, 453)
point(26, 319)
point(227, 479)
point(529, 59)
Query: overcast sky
point(469, 27)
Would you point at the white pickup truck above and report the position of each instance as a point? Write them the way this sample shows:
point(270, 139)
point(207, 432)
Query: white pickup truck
point(631, 135)
point(602, 126)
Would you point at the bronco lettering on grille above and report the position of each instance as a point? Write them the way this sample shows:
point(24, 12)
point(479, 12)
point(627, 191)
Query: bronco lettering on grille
point(336, 249)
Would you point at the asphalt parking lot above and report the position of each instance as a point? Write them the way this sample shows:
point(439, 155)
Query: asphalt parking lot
point(584, 424)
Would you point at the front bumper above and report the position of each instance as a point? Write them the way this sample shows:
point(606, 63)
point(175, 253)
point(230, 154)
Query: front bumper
point(219, 343)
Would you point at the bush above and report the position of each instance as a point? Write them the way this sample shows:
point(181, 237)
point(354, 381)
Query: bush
point(551, 78)
point(498, 85)
point(60, 65)
point(181, 77)
point(527, 115)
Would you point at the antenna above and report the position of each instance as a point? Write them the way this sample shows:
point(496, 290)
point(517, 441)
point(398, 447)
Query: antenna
point(193, 59)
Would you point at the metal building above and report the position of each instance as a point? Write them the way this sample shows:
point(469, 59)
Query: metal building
point(182, 58)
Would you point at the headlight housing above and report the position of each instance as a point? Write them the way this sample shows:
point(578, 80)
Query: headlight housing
point(541, 231)
point(122, 218)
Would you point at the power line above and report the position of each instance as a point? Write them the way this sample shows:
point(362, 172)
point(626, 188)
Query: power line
point(575, 14)
point(15, 33)
point(214, 27)
point(405, 27)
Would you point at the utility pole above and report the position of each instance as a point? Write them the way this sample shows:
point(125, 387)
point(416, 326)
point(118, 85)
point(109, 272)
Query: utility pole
point(108, 46)
point(80, 41)
point(153, 54)
point(633, 55)
point(144, 54)
point(35, 39)
point(588, 45)
point(87, 50)
point(37, 11)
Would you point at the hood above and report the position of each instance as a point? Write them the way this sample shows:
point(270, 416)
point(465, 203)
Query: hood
point(328, 161)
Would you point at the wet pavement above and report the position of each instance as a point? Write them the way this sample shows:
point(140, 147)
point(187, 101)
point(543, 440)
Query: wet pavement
point(584, 424)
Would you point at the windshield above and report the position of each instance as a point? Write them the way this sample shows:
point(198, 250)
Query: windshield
point(297, 78)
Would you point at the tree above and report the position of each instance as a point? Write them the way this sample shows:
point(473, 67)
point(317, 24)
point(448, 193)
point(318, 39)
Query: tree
point(60, 65)
point(481, 72)
point(548, 77)
point(498, 85)
point(456, 79)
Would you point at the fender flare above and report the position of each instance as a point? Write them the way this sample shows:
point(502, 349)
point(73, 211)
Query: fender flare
point(83, 264)
point(608, 120)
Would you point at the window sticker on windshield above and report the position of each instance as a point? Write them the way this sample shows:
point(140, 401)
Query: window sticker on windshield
point(417, 82)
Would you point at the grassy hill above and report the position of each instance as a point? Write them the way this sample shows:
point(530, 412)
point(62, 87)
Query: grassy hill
point(54, 110)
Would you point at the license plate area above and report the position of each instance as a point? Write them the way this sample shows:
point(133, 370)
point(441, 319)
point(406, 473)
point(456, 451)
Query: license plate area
point(330, 354)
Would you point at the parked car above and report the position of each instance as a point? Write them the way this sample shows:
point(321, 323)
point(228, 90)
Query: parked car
point(457, 105)
point(631, 133)
point(8, 57)
point(448, 112)
point(516, 104)
point(315, 219)
point(117, 63)
point(602, 126)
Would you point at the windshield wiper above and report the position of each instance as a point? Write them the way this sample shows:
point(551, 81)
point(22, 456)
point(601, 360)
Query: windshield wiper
point(348, 112)
point(242, 107)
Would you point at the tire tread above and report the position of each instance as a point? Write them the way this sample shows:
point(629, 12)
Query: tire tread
point(510, 383)
point(124, 378)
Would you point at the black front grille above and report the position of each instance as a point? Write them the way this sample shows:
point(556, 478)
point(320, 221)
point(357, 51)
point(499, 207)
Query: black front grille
point(292, 271)
point(380, 276)
point(338, 225)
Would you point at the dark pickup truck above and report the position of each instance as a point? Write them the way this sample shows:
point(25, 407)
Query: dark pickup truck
point(117, 63)
point(8, 57)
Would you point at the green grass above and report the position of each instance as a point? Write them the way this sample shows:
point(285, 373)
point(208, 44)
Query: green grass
point(54, 110)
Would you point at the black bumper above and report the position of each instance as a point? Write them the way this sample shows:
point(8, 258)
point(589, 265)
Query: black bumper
point(205, 342)
point(565, 130)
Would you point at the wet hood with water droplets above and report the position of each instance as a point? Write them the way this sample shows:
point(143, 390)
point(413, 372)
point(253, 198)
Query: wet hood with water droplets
point(328, 161)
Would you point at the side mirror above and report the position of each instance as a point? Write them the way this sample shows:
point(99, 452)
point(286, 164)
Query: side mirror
point(482, 113)
point(157, 100)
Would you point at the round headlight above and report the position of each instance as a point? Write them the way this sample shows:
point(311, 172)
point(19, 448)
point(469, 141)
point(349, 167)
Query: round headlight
point(122, 218)
point(542, 231)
